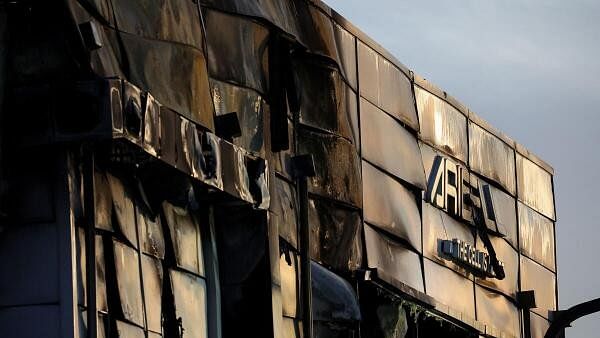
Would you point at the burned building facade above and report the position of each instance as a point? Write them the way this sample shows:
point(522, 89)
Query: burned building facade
point(258, 168)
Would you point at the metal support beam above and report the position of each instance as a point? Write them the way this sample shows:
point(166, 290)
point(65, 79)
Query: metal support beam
point(564, 318)
point(303, 168)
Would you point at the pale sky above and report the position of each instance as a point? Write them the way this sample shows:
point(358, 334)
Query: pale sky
point(532, 69)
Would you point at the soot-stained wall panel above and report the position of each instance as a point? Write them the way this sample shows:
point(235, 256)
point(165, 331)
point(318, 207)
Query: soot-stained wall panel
point(124, 209)
point(390, 206)
point(152, 280)
point(237, 50)
point(128, 282)
point(103, 201)
point(449, 288)
point(171, 20)
point(184, 88)
point(191, 314)
point(326, 101)
point(543, 282)
point(393, 262)
point(535, 187)
point(185, 238)
point(442, 125)
point(151, 236)
point(437, 226)
point(539, 325)
point(126, 330)
point(510, 257)
point(384, 85)
point(495, 309)
point(250, 108)
point(491, 157)
point(346, 48)
point(290, 283)
point(388, 145)
point(536, 236)
point(337, 166)
point(335, 235)
point(505, 214)
point(284, 207)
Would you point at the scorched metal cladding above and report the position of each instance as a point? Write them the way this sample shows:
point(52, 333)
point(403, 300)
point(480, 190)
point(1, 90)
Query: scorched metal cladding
point(154, 182)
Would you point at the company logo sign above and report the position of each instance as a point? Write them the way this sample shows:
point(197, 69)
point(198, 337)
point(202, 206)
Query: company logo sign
point(450, 187)
point(467, 256)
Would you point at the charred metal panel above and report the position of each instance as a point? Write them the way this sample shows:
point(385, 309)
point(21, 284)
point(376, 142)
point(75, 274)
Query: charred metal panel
point(326, 101)
point(335, 235)
point(28, 254)
point(393, 262)
point(289, 264)
point(388, 145)
point(543, 282)
point(152, 280)
point(171, 20)
point(184, 88)
point(491, 157)
point(497, 311)
point(125, 330)
point(449, 288)
point(237, 50)
point(185, 238)
point(539, 325)
point(151, 235)
point(192, 315)
point(284, 210)
point(386, 86)
point(103, 200)
point(346, 49)
point(442, 125)
point(437, 226)
point(536, 236)
point(505, 214)
point(235, 173)
point(535, 187)
point(318, 32)
point(124, 209)
point(152, 123)
point(337, 166)
point(390, 206)
point(129, 286)
point(81, 268)
point(250, 109)
point(509, 286)
point(274, 11)
point(101, 293)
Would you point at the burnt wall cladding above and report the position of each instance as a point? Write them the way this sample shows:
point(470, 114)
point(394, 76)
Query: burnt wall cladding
point(348, 91)
point(301, 79)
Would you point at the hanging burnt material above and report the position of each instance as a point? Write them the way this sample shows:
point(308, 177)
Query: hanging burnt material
point(282, 89)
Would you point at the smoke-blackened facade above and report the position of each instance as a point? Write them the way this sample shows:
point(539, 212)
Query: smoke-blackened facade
point(253, 168)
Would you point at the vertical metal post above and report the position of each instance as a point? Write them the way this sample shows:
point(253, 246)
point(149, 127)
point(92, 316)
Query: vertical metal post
point(90, 241)
point(526, 301)
point(526, 323)
point(304, 167)
point(305, 271)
